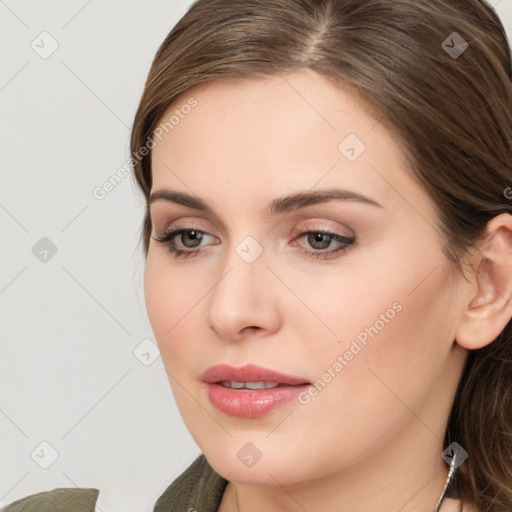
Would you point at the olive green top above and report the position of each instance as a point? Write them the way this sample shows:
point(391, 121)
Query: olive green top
point(199, 487)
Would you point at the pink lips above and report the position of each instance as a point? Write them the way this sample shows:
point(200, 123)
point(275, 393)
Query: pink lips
point(249, 373)
point(248, 403)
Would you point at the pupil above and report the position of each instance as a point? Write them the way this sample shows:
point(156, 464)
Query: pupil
point(318, 238)
point(192, 235)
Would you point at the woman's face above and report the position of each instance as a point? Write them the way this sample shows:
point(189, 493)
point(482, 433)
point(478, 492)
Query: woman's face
point(372, 323)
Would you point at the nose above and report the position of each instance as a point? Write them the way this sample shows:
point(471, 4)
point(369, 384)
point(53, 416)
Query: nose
point(244, 301)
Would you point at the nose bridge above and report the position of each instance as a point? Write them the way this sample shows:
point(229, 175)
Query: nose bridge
point(240, 298)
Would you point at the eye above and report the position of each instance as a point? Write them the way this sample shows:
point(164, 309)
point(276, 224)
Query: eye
point(322, 239)
point(191, 240)
point(187, 236)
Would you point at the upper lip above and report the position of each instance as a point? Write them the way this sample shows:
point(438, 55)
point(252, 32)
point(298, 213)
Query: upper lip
point(249, 373)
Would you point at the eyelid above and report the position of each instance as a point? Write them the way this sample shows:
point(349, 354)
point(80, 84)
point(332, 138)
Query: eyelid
point(300, 227)
point(175, 220)
point(321, 225)
point(181, 224)
point(318, 213)
point(304, 224)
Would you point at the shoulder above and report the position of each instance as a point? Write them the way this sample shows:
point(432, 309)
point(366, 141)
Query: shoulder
point(198, 487)
point(58, 500)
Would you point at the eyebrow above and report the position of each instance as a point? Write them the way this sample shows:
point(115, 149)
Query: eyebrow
point(279, 205)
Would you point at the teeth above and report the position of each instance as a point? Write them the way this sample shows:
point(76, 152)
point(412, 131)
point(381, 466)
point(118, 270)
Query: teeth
point(261, 385)
point(249, 385)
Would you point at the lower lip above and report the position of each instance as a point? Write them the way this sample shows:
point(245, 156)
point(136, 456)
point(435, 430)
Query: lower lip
point(251, 403)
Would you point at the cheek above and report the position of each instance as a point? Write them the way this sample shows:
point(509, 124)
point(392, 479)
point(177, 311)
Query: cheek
point(369, 295)
point(401, 361)
point(171, 298)
point(159, 303)
point(393, 319)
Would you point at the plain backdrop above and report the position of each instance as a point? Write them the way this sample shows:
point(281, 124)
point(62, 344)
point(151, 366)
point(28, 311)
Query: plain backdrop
point(85, 400)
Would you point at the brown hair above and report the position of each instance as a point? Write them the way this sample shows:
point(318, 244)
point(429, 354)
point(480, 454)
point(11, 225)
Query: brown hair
point(453, 117)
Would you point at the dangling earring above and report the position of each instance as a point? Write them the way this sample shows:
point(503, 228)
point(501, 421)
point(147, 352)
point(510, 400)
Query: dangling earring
point(448, 480)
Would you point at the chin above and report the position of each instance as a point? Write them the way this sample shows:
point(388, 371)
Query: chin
point(260, 462)
point(264, 472)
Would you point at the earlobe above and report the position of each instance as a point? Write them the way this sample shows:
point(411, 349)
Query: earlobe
point(490, 308)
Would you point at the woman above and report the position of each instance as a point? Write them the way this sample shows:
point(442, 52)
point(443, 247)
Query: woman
point(328, 243)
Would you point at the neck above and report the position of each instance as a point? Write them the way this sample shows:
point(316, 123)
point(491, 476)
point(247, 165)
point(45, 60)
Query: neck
point(400, 478)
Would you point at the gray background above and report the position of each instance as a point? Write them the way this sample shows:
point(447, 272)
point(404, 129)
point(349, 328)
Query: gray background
point(80, 371)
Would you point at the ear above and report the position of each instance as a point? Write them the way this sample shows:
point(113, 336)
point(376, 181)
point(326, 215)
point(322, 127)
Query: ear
point(489, 309)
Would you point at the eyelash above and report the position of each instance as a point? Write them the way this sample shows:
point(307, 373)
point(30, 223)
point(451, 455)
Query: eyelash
point(166, 240)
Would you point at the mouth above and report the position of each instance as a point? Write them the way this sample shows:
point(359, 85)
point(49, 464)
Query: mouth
point(250, 377)
point(250, 391)
point(248, 386)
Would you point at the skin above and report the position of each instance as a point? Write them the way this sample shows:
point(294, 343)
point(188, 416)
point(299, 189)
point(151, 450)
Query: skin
point(373, 437)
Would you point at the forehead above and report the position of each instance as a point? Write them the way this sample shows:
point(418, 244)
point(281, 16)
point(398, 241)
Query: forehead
point(276, 134)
